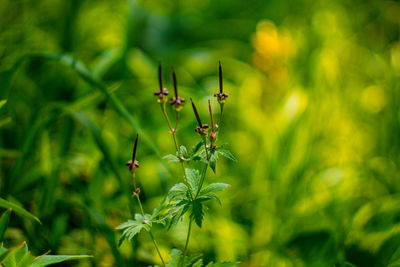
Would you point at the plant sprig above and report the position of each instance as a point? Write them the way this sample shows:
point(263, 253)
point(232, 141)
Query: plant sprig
point(189, 195)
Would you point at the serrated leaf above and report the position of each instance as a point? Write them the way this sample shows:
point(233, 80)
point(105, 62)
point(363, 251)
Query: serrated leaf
point(201, 159)
point(184, 152)
point(139, 217)
point(131, 228)
point(210, 196)
point(175, 258)
point(226, 153)
point(178, 210)
point(4, 220)
point(196, 148)
point(178, 192)
point(198, 263)
point(9, 205)
point(171, 158)
point(214, 187)
point(190, 260)
point(197, 212)
point(52, 259)
point(193, 177)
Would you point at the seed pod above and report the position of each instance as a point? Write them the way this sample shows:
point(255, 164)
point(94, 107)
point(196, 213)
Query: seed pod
point(176, 101)
point(202, 128)
point(221, 96)
point(133, 163)
point(162, 93)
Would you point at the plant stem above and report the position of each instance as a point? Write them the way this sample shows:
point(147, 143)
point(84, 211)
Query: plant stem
point(173, 131)
point(170, 126)
point(187, 239)
point(220, 116)
point(141, 209)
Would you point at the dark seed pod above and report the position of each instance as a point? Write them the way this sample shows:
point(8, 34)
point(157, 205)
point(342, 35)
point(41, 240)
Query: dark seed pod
point(133, 163)
point(162, 93)
point(177, 101)
point(221, 96)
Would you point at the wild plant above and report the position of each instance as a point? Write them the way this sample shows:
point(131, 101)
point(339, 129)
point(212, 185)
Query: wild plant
point(186, 200)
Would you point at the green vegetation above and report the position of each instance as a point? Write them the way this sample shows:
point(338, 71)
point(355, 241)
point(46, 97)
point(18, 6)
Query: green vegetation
point(313, 119)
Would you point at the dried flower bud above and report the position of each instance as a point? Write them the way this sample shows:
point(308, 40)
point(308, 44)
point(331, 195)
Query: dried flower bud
point(202, 128)
point(133, 163)
point(177, 101)
point(221, 96)
point(132, 166)
point(161, 93)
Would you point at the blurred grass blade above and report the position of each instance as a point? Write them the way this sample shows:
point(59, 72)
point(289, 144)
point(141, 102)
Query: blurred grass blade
point(95, 131)
point(4, 220)
point(8, 205)
point(6, 78)
point(86, 75)
point(52, 259)
point(108, 234)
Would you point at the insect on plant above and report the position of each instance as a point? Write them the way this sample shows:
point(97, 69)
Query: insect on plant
point(190, 195)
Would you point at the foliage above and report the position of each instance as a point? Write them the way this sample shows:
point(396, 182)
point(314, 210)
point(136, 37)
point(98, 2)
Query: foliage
point(312, 117)
point(21, 257)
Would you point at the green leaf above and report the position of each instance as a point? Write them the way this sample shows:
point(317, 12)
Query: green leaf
point(5, 218)
point(213, 161)
point(193, 177)
point(196, 148)
point(208, 192)
point(52, 259)
point(171, 158)
point(197, 212)
point(178, 192)
point(175, 258)
point(184, 152)
point(132, 228)
point(189, 261)
point(214, 187)
point(226, 153)
point(178, 211)
point(210, 196)
point(198, 263)
point(15, 255)
point(9, 205)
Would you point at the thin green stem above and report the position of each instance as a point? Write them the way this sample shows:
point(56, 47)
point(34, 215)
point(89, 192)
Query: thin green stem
point(176, 120)
point(187, 239)
point(220, 116)
point(170, 126)
point(173, 131)
point(142, 211)
point(158, 251)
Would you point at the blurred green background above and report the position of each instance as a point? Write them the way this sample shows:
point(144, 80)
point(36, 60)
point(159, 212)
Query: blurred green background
point(313, 117)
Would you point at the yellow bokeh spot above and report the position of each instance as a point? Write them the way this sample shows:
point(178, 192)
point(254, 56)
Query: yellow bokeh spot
point(373, 99)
